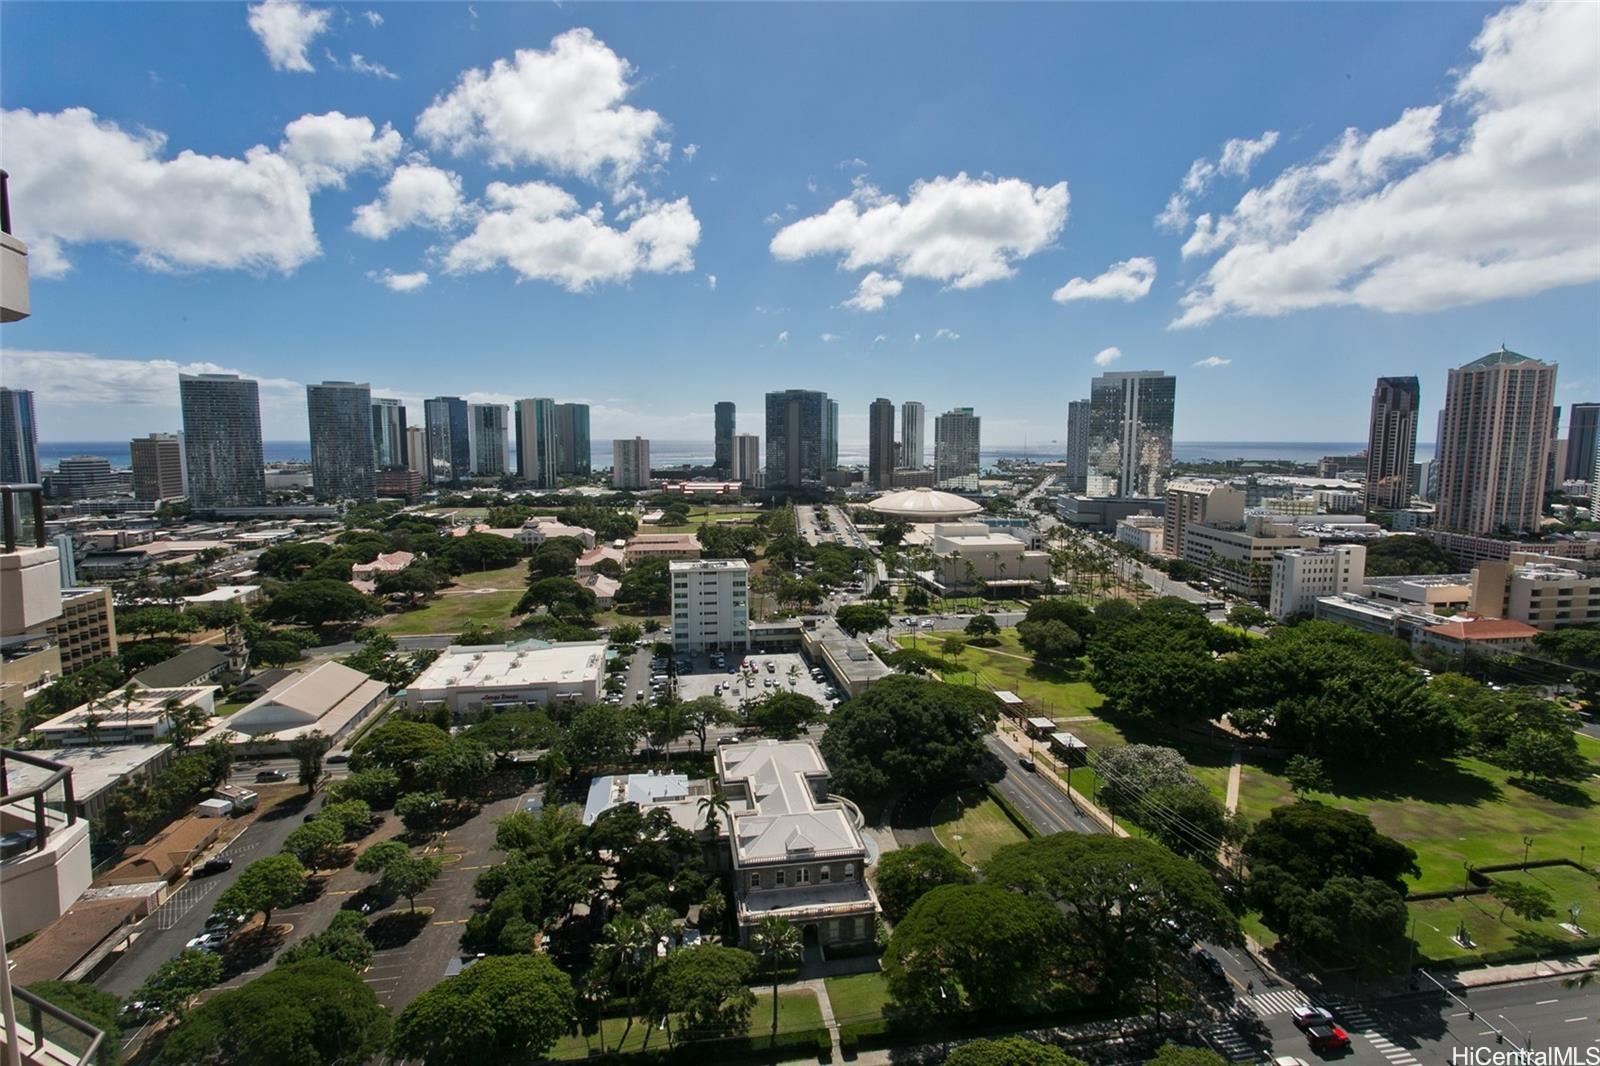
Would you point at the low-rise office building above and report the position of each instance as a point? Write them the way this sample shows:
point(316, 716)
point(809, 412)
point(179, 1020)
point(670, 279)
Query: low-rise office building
point(1469, 634)
point(1241, 559)
point(969, 556)
point(330, 699)
point(135, 716)
point(466, 678)
point(1438, 593)
point(97, 771)
point(1146, 532)
point(710, 605)
point(1544, 592)
point(1104, 512)
point(1196, 501)
point(797, 852)
point(667, 546)
point(86, 632)
point(1301, 576)
point(848, 660)
point(243, 595)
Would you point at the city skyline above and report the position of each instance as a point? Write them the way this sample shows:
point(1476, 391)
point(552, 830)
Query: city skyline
point(1087, 278)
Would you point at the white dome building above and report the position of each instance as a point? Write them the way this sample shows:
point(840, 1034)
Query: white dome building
point(924, 505)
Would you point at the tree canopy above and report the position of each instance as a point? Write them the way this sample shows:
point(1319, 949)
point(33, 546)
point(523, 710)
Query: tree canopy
point(907, 874)
point(784, 715)
point(904, 733)
point(265, 885)
point(504, 1008)
point(1010, 1051)
point(318, 602)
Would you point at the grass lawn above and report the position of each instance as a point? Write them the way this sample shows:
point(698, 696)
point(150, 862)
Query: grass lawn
point(607, 619)
point(453, 613)
point(512, 577)
point(797, 1009)
point(1494, 928)
point(225, 709)
point(983, 828)
point(858, 997)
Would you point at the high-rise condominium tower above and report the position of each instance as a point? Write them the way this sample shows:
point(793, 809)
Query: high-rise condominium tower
point(572, 440)
point(911, 449)
point(388, 434)
point(1130, 433)
point(630, 464)
point(487, 429)
point(417, 450)
point(746, 457)
point(797, 437)
point(831, 444)
point(880, 443)
point(536, 443)
point(1583, 437)
point(722, 444)
point(19, 438)
point(222, 440)
point(340, 413)
point(157, 467)
point(1078, 445)
point(1494, 444)
point(1392, 444)
point(955, 449)
point(449, 446)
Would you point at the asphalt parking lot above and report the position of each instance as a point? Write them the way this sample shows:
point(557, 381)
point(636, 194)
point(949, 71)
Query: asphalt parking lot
point(788, 671)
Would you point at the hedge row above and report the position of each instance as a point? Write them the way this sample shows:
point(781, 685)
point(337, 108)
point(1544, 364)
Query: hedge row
point(1015, 815)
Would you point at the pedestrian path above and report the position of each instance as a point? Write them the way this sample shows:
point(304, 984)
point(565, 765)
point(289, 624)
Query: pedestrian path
point(1356, 1020)
point(1226, 1039)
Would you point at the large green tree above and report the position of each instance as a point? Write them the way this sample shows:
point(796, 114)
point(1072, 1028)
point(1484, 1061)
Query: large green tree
point(264, 886)
point(973, 947)
point(907, 874)
point(859, 618)
point(310, 1013)
point(1010, 1051)
point(398, 745)
point(784, 715)
point(507, 1008)
point(319, 603)
point(707, 991)
point(1313, 842)
point(601, 735)
point(905, 733)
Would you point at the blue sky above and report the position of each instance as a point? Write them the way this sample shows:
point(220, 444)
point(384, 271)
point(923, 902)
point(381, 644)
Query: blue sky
point(1394, 172)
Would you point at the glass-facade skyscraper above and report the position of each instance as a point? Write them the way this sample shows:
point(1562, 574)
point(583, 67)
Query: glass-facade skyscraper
point(722, 443)
point(1130, 433)
point(389, 435)
point(449, 446)
point(340, 413)
point(955, 449)
point(487, 434)
point(1078, 445)
point(536, 443)
point(222, 440)
point(1392, 444)
point(880, 443)
point(911, 439)
point(798, 437)
point(19, 438)
point(573, 454)
point(1494, 444)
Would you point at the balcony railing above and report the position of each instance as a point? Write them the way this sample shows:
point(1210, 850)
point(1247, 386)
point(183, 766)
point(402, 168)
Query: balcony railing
point(46, 1033)
point(22, 515)
point(50, 798)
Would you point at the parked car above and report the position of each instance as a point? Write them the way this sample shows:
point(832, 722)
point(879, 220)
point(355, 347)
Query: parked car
point(137, 1011)
point(772, 667)
point(208, 941)
point(1327, 1038)
point(213, 866)
point(1208, 962)
point(223, 923)
point(338, 758)
point(1307, 1016)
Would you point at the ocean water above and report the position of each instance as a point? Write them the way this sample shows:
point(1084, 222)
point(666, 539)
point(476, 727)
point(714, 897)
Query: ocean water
point(665, 453)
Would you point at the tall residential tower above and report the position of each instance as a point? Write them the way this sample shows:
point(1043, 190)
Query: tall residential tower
point(880, 444)
point(798, 439)
point(536, 443)
point(912, 453)
point(1392, 444)
point(955, 449)
point(388, 434)
point(1494, 444)
point(722, 444)
point(1130, 433)
point(222, 440)
point(449, 446)
point(19, 438)
point(573, 457)
point(488, 436)
point(340, 414)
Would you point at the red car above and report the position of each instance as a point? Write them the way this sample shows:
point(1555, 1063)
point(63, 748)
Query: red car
point(1327, 1038)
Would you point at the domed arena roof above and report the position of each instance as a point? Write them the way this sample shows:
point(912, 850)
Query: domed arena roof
point(924, 505)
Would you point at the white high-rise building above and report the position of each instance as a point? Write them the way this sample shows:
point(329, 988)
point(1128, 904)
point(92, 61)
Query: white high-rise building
point(746, 458)
point(955, 449)
point(710, 605)
point(911, 448)
point(630, 464)
point(1301, 575)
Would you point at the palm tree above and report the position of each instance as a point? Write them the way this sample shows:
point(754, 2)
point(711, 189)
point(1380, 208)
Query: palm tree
point(129, 694)
point(625, 935)
point(779, 942)
point(91, 726)
point(657, 922)
point(714, 808)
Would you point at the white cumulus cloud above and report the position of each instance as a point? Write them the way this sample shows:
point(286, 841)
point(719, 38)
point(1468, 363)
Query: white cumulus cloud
point(962, 231)
point(286, 28)
point(1212, 361)
point(1107, 356)
point(326, 148)
point(1413, 217)
point(79, 179)
point(563, 109)
point(401, 282)
point(361, 65)
point(416, 194)
point(874, 291)
point(539, 231)
point(1128, 280)
point(1235, 160)
point(373, 18)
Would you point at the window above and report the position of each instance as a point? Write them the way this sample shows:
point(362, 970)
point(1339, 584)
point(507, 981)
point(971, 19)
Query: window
point(849, 871)
point(778, 878)
point(826, 874)
point(755, 880)
point(802, 876)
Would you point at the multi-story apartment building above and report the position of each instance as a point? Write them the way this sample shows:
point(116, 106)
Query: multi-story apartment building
point(1583, 442)
point(956, 435)
point(417, 450)
point(1241, 559)
point(797, 852)
point(19, 438)
point(340, 414)
point(222, 440)
point(86, 632)
point(1196, 501)
point(1494, 446)
point(1130, 433)
point(798, 438)
point(1542, 591)
point(158, 472)
point(488, 429)
point(831, 441)
point(449, 442)
point(537, 462)
point(1301, 576)
point(573, 458)
point(710, 605)
point(1392, 444)
point(723, 422)
point(630, 464)
point(880, 444)
point(401, 482)
point(1078, 445)
point(746, 458)
point(389, 434)
point(912, 453)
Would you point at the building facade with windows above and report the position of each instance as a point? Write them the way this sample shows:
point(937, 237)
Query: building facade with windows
point(340, 414)
point(222, 440)
point(1301, 576)
point(1130, 433)
point(86, 632)
point(158, 472)
point(798, 438)
point(1078, 445)
point(1194, 501)
point(746, 458)
point(630, 464)
point(912, 453)
point(880, 444)
point(573, 454)
point(710, 605)
point(19, 438)
point(1392, 444)
point(723, 421)
point(449, 448)
point(488, 435)
point(537, 462)
point(1241, 559)
point(1542, 591)
point(956, 435)
point(389, 436)
point(1494, 444)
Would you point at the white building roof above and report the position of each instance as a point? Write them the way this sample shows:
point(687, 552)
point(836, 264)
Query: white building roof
point(147, 707)
point(224, 594)
point(323, 699)
point(787, 823)
point(924, 505)
point(647, 790)
point(509, 666)
point(93, 769)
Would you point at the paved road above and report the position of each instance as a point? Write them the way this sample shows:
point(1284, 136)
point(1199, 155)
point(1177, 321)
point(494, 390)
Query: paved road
point(1044, 805)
